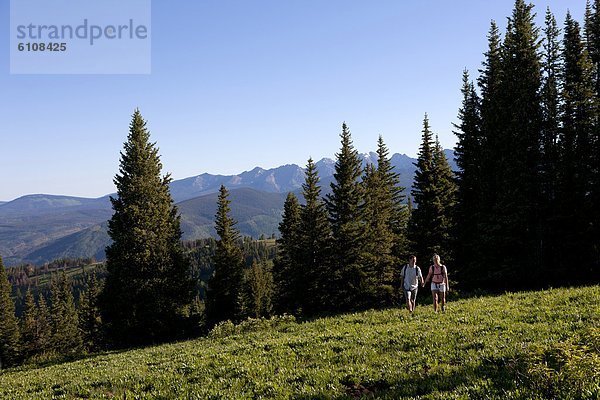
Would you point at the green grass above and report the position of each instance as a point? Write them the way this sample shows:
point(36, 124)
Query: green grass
point(45, 278)
point(516, 346)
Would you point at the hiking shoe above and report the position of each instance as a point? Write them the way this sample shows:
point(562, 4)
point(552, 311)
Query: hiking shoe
point(444, 308)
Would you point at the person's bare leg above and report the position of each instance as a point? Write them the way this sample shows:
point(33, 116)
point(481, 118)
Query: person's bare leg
point(443, 294)
point(435, 300)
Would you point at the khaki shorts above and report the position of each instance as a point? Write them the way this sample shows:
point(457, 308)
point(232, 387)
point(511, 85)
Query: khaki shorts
point(438, 287)
point(411, 294)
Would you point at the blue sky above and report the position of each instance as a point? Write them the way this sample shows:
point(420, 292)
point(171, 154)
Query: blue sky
point(239, 84)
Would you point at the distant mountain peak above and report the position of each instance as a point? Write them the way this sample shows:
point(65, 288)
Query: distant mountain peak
point(256, 170)
point(326, 160)
point(42, 227)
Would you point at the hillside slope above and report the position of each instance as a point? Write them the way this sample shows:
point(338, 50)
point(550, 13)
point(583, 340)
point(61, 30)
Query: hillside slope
point(29, 224)
point(516, 346)
point(257, 213)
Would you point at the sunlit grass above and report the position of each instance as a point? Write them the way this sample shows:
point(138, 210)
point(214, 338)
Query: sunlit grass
point(523, 345)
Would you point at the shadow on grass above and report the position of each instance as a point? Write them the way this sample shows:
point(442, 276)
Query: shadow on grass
point(49, 360)
point(491, 377)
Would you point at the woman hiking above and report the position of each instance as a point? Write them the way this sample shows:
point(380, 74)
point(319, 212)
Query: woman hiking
point(439, 282)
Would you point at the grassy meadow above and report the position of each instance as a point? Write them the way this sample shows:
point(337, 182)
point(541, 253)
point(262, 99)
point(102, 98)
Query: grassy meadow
point(536, 345)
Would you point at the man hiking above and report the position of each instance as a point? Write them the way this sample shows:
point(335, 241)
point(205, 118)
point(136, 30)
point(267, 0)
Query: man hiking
point(409, 279)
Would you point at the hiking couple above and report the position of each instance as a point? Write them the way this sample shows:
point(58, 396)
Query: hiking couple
point(411, 276)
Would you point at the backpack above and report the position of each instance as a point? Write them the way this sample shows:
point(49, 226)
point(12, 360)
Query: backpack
point(442, 267)
point(403, 273)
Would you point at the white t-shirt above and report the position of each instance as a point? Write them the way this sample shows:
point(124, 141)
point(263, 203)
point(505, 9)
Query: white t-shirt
point(411, 277)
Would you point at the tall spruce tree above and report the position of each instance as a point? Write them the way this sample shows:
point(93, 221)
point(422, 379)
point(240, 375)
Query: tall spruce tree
point(385, 218)
point(551, 71)
point(66, 338)
point(445, 199)
point(29, 326)
point(426, 217)
point(489, 83)
point(378, 259)
point(9, 328)
point(287, 274)
point(395, 197)
point(316, 283)
point(592, 36)
point(44, 325)
point(577, 163)
point(225, 288)
point(515, 234)
point(469, 179)
point(344, 208)
point(259, 289)
point(148, 285)
point(89, 313)
point(482, 250)
point(593, 47)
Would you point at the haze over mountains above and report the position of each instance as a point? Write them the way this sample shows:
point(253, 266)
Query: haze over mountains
point(40, 228)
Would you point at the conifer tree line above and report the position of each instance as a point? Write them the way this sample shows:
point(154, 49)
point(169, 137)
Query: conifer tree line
point(49, 328)
point(344, 251)
point(528, 153)
point(336, 252)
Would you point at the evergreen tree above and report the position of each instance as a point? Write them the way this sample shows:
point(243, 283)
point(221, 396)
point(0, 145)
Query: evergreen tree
point(551, 69)
point(286, 270)
point(66, 338)
point(592, 36)
point(445, 199)
point(482, 250)
point(29, 326)
point(426, 217)
point(385, 218)
point(44, 326)
point(394, 197)
point(576, 141)
point(469, 179)
point(9, 328)
point(259, 279)
point(377, 258)
point(593, 47)
point(148, 285)
point(35, 326)
point(513, 237)
point(89, 313)
point(225, 296)
point(491, 110)
point(344, 208)
point(316, 283)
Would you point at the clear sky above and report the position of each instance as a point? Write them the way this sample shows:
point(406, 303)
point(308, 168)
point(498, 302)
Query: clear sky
point(239, 84)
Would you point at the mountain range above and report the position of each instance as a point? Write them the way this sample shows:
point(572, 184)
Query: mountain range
point(41, 228)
